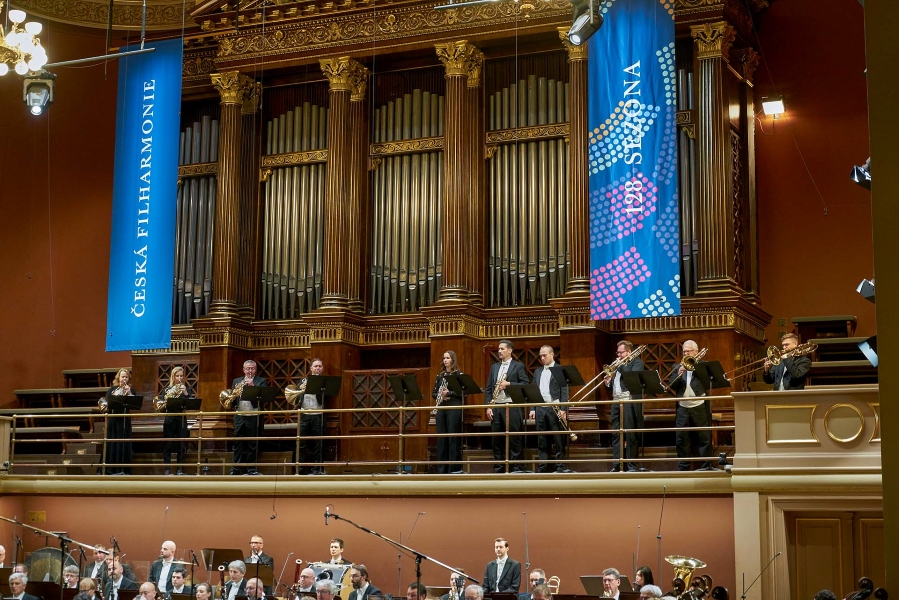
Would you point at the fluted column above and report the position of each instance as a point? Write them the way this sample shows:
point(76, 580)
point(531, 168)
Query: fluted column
point(341, 73)
point(477, 212)
point(715, 211)
point(233, 88)
point(250, 231)
point(357, 198)
point(578, 173)
point(461, 60)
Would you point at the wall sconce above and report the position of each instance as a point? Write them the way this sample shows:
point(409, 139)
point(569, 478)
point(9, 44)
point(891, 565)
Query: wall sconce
point(773, 106)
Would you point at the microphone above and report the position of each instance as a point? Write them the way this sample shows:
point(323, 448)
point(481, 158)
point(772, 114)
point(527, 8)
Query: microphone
point(327, 513)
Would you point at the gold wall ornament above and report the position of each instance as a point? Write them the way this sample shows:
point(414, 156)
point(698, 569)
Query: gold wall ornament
point(688, 4)
point(198, 169)
point(749, 61)
point(407, 146)
point(574, 52)
point(460, 59)
point(490, 152)
point(289, 159)
point(161, 14)
point(374, 163)
point(250, 104)
point(684, 120)
point(265, 174)
point(359, 84)
point(232, 86)
point(844, 422)
point(713, 40)
point(534, 132)
point(342, 73)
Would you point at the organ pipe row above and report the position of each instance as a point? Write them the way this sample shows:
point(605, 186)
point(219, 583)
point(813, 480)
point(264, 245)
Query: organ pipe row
point(293, 239)
point(195, 224)
point(406, 269)
point(527, 187)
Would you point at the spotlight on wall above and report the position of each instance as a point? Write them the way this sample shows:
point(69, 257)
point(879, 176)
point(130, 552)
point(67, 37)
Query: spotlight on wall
point(862, 175)
point(586, 20)
point(866, 289)
point(38, 91)
point(773, 106)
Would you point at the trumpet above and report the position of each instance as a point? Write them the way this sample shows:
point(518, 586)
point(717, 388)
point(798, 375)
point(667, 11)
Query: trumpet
point(227, 398)
point(497, 390)
point(608, 371)
point(294, 396)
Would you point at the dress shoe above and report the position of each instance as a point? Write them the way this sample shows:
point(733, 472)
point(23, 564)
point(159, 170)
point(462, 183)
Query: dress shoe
point(614, 469)
point(318, 471)
point(564, 470)
point(235, 471)
point(180, 472)
point(458, 473)
point(253, 472)
point(167, 472)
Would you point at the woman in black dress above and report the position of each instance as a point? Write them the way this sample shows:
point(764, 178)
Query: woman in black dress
point(175, 426)
point(118, 428)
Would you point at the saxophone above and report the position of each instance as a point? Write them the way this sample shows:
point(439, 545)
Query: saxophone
point(443, 387)
point(103, 405)
point(294, 396)
point(229, 397)
point(160, 404)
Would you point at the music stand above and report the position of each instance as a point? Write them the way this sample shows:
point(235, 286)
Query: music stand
point(213, 557)
point(132, 402)
point(711, 374)
point(527, 393)
point(260, 394)
point(263, 572)
point(567, 375)
point(404, 387)
point(462, 383)
point(180, 404)
point(647, 380)
point(501, 595)
point(327, 385)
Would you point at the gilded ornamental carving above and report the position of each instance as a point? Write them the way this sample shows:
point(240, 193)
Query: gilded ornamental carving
point(407, 146)
point(461, 59)
point(536, 132)
point(232, 86)
point(713, 40)
point(161, 15)
point(574, 52)
point(344, 74)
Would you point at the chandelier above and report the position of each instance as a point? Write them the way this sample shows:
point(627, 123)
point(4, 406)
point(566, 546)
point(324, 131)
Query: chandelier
point(20, 48)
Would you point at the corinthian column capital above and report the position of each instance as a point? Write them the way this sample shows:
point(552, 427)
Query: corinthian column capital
point(233, 87)
point(343, 73)
point(713, 39)
point(358, 84)
point(574, 52)
point(461, 59)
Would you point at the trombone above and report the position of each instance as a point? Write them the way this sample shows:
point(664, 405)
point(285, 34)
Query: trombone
point(608, 371)
point(775, 355)
point(689, 364)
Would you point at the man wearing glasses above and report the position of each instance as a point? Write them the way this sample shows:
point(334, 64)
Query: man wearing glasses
point(307, 581)
point(147, 591)
point(537, 577)
point(362, 589)
point(611, 579)
point(326, 589)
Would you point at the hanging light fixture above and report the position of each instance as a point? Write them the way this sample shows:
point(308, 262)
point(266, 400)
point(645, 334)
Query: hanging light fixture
point(586, 20)
point(20, 48)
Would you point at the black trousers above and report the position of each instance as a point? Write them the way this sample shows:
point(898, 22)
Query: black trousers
point(633, 419)
point(698, 416)
point(311, 450)
point(174, 427)
point(244, 450)
point(449, 448)
point(515, 417)
point(546, 420)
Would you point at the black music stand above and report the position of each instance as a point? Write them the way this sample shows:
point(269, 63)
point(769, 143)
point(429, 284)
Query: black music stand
point(404, 387)
point(711, 374)
point(180, 404)
point(213, 557)
point(327, 385)
point(132, 402)
point(522, 394)
point(647, 380)
point(501, 595)
point(462, 383)
point(266, 574)
point(567, 375)
point(260, 394)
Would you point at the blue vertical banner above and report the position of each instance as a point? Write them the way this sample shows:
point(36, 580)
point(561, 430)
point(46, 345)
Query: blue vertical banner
point(634, 228)
point(144, 197)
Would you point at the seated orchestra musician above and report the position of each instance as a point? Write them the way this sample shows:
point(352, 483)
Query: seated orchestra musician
point(203, 591)
point(117, 581)
point(174, 426)
point(255, 588)
point(70, 575)
point(457, 585)
point(362, 588)
point(642, 577)
point(88, 587)
point(306, 581)
point(236, 585)
point(17, 583)
point(650, 591)
point(147, 591)
point(326, 589)
point(179, 585)
point(611, 581)
point(535, 578)
point(542, 592)
point(416, 591)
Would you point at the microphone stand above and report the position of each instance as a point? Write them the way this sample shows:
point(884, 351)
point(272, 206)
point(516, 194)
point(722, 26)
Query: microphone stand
point(18, 542)
point(659, 535)
point(419, 556)
point(193, 584)
point(746, 589)
point(399, 556)
point(527, 555)
point(81, 561)
point(64, 542)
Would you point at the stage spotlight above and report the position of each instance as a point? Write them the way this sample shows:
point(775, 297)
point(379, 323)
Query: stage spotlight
point(869, 349)
point(862, 175)
point(773, 106)
point(586, 20)
point(866, 289)
point(39, 91)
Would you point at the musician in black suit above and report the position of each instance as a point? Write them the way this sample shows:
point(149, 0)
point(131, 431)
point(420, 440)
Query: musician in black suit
point(336, 551)
point(553, 388)
point(791, 373)
point(504, 573)
point(117, 582)
point(118, 428)
point(17, 583)
point(236, 585)
point(245, 451)
point(175, 426)
point(457, 586)
point(179, 576)
point(503, 374)
point(633, 412)
point(257, 555)
point(312, 423)
point(362, 588)
point(97, 568)
point(691, 412)
point(161, 569)
point(449, 449)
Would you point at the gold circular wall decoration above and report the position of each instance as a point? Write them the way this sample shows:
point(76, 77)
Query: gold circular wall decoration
point(843, 423)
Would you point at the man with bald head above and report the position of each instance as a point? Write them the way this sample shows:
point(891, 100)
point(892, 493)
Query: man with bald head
point(161, 569)
point(693, 410)
point(255, 589)
point(307, 581)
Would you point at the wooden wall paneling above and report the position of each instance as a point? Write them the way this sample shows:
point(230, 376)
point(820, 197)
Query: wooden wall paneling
point(868, 548)
point(822, 550)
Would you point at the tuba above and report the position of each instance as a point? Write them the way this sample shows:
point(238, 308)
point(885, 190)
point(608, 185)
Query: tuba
point(684, 566)
point(294, 396)
point(228, 398)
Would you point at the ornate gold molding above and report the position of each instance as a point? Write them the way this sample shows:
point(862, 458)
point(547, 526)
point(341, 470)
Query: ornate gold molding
point(232, 86)
point(490, 151)
point(691, 4)
point(713, 40)
point(250, 104)
point(536, 132)
point(690, 321)
point(198, 169)
point(374, 163)
point(574, 52)
point(684, 120)
point(295, 158)
point(407, 146)
point(359, 84)
point(199, 65)
point(344, 74)
point(461, 59)
point(749, 61)
point(161, 15)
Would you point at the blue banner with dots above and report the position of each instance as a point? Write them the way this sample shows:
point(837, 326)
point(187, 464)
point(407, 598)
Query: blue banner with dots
point(634, 228)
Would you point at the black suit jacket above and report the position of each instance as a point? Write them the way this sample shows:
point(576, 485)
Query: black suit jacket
point(634, 365)
point(169, 593)
point(126, 584)
point(89, 570)
point(557, 391)
point(511, 577)
point(369, 591)
point(264, 560)
point(516, 375)
point(257, 381)
point(793, 371)
point(680, 386)
point(28, 596)
point(156, 570)
point(241, 590)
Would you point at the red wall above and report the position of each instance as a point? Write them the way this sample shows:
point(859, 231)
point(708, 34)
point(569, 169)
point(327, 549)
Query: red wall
point(567, 536)
point(55, 210)
point(811, 262)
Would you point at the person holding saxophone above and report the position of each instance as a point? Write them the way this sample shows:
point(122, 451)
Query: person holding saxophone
point(174, 426)
point(449, 448)
point(504, 373)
